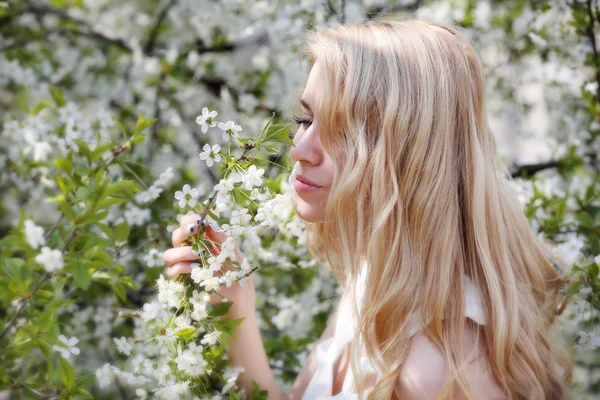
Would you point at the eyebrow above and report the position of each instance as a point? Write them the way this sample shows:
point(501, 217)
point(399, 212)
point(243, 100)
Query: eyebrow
point(305, 104)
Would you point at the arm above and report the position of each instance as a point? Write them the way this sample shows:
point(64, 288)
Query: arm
point(246, 350)
point(307, 372)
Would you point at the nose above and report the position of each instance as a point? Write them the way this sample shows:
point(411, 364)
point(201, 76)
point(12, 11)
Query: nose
point(307, 147)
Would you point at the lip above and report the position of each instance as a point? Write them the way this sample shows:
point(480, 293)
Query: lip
point(303, 185)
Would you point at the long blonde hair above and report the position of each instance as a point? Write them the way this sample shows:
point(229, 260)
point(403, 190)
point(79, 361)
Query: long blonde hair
point(420, 194)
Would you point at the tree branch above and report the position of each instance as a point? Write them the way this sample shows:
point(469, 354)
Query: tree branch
point(156, 28)
point(89, 30)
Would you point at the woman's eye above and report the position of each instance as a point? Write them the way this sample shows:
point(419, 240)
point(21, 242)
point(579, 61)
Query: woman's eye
point(302, 121)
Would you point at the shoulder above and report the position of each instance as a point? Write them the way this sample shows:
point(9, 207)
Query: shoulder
point(423, 373)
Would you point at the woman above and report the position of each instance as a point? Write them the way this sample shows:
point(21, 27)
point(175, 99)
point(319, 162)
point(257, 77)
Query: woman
point(448, 289)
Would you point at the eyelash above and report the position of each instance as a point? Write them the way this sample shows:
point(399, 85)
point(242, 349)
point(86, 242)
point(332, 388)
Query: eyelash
point(305, 122)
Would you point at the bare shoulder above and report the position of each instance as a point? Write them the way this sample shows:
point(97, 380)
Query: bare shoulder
point(422, 374)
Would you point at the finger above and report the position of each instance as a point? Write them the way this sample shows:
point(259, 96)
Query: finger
point(177, 254)
point(186, 220)
point(220, 237)
point(215, 235)
point(178, 269)
point(180, 235)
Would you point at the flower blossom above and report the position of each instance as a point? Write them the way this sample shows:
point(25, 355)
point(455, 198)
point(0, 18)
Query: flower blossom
point(205, 120)
point(68, 346)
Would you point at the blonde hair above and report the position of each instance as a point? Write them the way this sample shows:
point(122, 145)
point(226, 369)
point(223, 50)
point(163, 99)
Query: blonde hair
point(420, 195)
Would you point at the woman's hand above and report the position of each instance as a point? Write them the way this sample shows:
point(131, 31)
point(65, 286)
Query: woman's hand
point(179, 259)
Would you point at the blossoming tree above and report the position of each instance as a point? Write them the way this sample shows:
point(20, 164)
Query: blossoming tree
point(118, 118)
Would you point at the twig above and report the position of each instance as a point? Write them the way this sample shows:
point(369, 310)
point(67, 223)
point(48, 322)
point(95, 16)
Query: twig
point(24, 303)
point(51, 231)
point(592, 36)
point(91, 31)
point(141, 246)
point(154, 32)
point(531, 169)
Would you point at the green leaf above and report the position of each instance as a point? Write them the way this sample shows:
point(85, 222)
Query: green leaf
point(83, 148)
point(84, 393)
point(58, 97)
point(111, 201)
point(120, 291)
point(44, 321)
point(48, 353)
point(67, 374)
point(85, 381)
point(258, 393)
point(40, 106)
point(574, 288)
point(143, 123)
point(91, 218)
point(137, 139)
point(594, 270)
point(186, 333)
point(124, 185)
point(121, 231)
point(271, 149)
point(220, 309)
point(3, 374)
point(81, 275)
point(64, 164)
point(279, 134)
point(69, 212)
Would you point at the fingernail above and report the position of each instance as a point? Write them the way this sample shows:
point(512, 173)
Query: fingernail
point(191, 227)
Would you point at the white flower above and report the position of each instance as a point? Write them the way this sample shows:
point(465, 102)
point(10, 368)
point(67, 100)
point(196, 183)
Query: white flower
point(154, 191)
point(231, 374)
point(154, 258)
point(597, 259)
point(136, 216)
point(187, 196)
point(253, 177)
point(191, 360)
point(141, 393)
point(205, 120)
point(68, 346)
point(239, 217)
point(224, 187)
point(165, 177)
point(41, 150)
point(231, 130)
point(214, 264)
point(537, 39)
point(105, 375)
point(210, 156)
point(199, 275)
point(211, 338)
point(123, 346)
point(211, 285)
point(170, 292)
point(51, 259)
point(34, 234)
point(229, 278)
point(591, 87)
point(69, 113)
point(105, 118)
point(151, 311)
point(173, 391)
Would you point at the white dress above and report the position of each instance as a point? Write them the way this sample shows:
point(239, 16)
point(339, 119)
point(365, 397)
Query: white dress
point(328, 351)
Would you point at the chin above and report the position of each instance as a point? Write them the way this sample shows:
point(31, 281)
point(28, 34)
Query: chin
point(308, 212)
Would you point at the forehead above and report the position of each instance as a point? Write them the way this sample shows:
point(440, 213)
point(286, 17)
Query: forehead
point(313, 82)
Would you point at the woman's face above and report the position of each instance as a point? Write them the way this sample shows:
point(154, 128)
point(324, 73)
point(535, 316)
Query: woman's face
point(315, 174)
